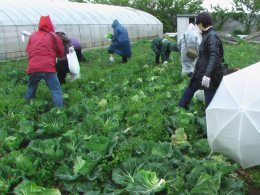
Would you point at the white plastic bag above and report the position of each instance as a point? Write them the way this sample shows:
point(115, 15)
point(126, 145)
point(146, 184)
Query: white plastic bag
point(74, 77)
point(73, 61)
point(199, 95)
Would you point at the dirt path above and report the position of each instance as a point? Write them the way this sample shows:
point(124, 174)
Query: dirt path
point(252, 190)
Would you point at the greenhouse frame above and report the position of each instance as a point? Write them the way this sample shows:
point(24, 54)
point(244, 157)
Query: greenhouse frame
point(84, 21)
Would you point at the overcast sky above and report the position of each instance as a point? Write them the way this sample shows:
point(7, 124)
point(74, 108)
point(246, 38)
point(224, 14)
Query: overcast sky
point(223, 3)
point(206, 3)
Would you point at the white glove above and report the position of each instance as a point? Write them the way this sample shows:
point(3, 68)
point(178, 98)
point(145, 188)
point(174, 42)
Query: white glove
point(111, 59)
point(205, 81)
point(165, 62)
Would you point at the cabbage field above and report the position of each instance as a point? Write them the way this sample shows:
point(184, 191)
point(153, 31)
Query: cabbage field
point(120, 132)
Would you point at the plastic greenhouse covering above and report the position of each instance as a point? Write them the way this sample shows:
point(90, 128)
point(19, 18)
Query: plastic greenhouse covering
point(85, 21)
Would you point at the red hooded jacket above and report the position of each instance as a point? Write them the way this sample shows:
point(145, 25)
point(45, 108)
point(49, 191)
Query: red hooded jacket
point(43, 47)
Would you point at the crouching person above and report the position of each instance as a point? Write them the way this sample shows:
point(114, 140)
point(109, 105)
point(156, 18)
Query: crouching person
point(43, 47)
point(62, 65)
point(120, 43)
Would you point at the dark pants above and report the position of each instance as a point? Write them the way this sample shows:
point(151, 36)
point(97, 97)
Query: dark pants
point(62, 69)
point(157, 58)
point(51, 81)
point(110, 51)
point(189, 92)
point(79, 55)
point(124, 60)
point(157, 51)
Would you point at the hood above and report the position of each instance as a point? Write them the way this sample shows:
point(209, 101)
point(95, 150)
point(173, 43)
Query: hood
point(45, 24)
point(193, 27)
point(198, 29)
point(115, 23)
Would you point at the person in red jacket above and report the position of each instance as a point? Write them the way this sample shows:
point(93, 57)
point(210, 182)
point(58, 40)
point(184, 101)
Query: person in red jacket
point(43, 47)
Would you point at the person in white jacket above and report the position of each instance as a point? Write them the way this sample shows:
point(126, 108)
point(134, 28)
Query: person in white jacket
point(191, 38)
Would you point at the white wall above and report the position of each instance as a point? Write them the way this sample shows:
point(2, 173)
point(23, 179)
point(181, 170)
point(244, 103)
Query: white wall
point(182, 25)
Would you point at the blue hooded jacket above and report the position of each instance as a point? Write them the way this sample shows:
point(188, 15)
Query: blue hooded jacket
point(120, 41)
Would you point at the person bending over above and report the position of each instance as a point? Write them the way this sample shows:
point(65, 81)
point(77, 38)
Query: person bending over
point(162, 49)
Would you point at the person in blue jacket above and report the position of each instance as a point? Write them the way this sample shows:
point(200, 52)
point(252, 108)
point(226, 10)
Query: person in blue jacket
point(120, 43)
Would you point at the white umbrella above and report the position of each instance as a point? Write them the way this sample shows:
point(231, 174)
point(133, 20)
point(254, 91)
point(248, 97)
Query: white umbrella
point(233, 117)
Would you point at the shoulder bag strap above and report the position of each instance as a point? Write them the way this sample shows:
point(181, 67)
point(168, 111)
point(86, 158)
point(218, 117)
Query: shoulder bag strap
point(185, 43)
point(54, 40)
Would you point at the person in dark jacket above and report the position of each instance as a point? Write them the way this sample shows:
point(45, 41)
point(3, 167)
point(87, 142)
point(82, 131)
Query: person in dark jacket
point(62, 65)
point(208, 71)
point(77, 46)
point(120, 43)
point(162, 48)
point(43, 47)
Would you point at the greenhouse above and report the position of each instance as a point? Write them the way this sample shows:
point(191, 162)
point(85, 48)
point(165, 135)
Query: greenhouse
point(87, 22)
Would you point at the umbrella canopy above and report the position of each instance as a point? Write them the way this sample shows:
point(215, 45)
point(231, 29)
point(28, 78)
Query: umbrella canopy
point(233, 117)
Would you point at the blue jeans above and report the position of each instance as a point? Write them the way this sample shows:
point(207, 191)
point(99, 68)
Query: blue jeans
point(51, 81)
point(189, 92)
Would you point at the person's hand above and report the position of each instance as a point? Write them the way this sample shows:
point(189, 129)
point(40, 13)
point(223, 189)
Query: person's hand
point(25, 32)
point(205, 81)
point(165, 62)
point(22, 37)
